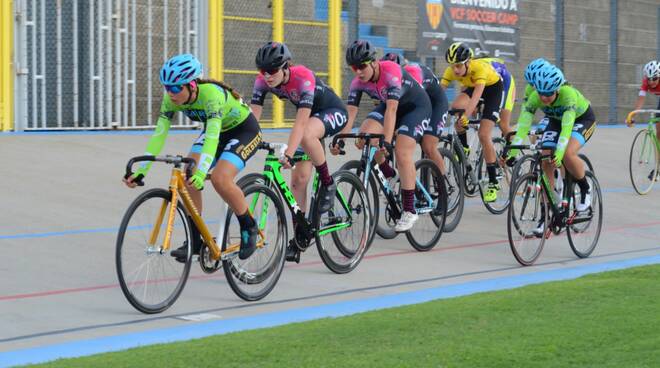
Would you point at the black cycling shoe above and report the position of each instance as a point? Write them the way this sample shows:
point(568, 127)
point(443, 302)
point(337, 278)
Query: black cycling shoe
point(181, 253)
point(292, 253)
point(248, 242)
point(326, 197)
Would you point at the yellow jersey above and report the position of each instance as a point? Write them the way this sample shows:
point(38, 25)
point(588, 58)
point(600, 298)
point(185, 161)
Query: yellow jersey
point(479, 71)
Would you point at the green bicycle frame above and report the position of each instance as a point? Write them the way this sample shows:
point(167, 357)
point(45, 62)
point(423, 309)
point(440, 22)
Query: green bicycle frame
point(272, 172)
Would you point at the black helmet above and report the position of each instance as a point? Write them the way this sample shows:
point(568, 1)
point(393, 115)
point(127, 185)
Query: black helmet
point(391, 56)
point(458, 52)
point(360, 52)
point(272, 55)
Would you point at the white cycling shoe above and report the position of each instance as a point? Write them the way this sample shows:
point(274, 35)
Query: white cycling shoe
point(584, 205)
point(406, 222)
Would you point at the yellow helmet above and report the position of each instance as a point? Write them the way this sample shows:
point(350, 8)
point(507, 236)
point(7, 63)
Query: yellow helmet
point(458, 52)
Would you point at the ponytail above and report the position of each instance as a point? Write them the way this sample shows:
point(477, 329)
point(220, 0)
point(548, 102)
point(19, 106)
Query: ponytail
point(221, 84)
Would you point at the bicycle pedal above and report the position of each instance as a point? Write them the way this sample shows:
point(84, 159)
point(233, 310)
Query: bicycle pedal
point(292, 255)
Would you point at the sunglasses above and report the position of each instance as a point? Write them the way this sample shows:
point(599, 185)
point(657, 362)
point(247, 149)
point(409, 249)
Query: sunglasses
point(361, 66)
point(174, 89)
point(268, 72)
point(546, 94)
point(654, 79)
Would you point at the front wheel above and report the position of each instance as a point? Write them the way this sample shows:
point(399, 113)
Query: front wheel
point(527, 219)
point(150, 278)
point(583, 228)
point(356, 167)
point(455, 195)
point(643, 162)
point(343, 232)
point(431, 206)
point(255, 277)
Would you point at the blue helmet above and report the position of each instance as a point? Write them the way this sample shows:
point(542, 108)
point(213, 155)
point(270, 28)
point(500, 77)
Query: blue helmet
point(532, 68)
point(180, 70)
point(548, 79)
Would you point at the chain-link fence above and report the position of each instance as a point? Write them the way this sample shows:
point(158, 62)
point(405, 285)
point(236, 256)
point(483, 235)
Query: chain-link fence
point(94, 64)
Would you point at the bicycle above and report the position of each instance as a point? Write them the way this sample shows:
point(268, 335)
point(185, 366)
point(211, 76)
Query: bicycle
point(348, 220)
point(430, 194)
point(152, 280)
point(473, 165)
point(535, 212)
point(644, 160)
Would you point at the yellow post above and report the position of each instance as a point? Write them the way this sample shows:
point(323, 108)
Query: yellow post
point(334, 45)
point(278, 35)
point(6, 65)
point(216, 36)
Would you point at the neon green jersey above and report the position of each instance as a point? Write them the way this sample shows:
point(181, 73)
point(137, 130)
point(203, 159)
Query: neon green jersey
point(567, 106)
point(528, 92)
point(214, 106)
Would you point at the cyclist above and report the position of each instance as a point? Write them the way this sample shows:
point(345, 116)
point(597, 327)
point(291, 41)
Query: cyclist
point(481, 81)
point(404, 108)
point(530, 74)
point(229, 138)
point(320, 113)
point(571, 124)
point(650, 83)
point(509, 91)
point(432, 132)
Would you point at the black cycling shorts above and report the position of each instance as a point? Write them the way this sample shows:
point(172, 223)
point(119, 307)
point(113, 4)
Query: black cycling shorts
point(583, 128)
point(494, 98)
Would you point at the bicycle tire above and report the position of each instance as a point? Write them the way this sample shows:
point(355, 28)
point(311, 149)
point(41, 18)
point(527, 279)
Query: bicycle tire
point(454, 183)
point(355, 166)
point(647, 143)
point(347, 256)
point(573, 230)
point(155, 257)
point(423, 167)
point(243, 276)
point(499, 206)
point(518, 232)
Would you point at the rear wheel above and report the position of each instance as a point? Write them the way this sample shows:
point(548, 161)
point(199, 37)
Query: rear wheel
point(150, 278)
point(503, 174)
point(583, 228)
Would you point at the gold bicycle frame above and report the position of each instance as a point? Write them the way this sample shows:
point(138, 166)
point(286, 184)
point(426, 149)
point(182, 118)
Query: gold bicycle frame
point(178, 188)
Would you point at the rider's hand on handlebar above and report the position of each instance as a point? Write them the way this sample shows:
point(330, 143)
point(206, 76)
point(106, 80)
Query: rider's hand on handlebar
point(287, 161)
point(336, 149)
point(134, 180)
point(197, 180)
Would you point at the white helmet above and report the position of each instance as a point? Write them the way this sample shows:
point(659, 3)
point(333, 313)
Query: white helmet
point(652, 69)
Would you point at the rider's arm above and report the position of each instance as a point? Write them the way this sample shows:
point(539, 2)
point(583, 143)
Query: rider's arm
point(211, 135)
point(352, 114)
point(157, 140)
point(567, 121)
point(256, 110)
point(640, 102)
point(524, 122)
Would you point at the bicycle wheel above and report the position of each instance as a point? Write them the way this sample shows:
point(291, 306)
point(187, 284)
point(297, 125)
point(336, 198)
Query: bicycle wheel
point(355, 166)
point(251, 178)
point(426, 232)
point(503, 178)
point(470, 177)
point(583, 228)
point(587, 162)
point(523, 166)
point(643, 162)
point(527, 212)
point(254, 278)
point(455, 191)
point(149, 277)
point(343, 231)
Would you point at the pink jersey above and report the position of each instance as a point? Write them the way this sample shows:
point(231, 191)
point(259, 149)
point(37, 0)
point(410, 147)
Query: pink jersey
point(393, 84)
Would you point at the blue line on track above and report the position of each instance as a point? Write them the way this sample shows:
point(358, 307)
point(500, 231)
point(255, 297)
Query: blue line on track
point(204, 329)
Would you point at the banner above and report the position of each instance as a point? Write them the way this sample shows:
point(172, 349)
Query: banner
point(487, 26)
